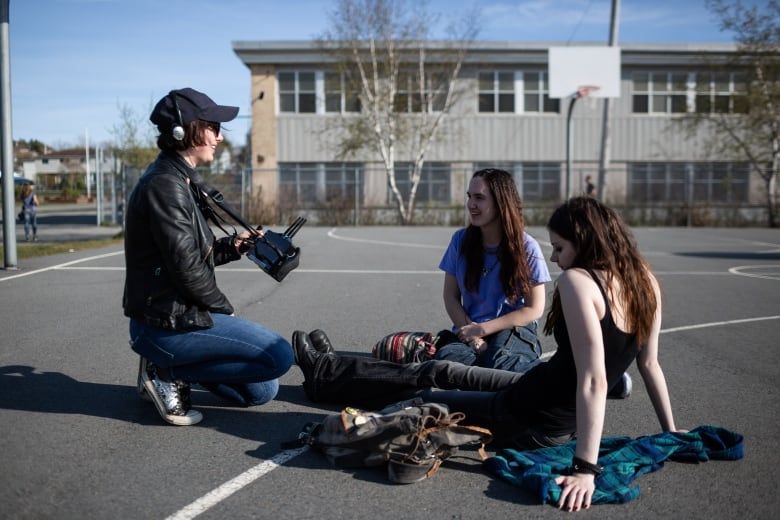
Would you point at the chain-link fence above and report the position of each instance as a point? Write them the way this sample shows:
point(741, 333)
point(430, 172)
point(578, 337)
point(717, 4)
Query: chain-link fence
point(360, 196)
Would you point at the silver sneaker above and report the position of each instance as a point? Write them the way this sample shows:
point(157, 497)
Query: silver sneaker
point(171, 398)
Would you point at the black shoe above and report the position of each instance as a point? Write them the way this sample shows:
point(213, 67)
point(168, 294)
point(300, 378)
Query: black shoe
point(321, 342)
point(305, 354)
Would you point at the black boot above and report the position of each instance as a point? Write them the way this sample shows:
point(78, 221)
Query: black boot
point(305, 354)
point(321, 342)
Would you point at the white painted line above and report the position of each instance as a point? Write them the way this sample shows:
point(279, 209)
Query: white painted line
point(332, 234)
point(231, 486)
point(719, 323)
point(61, 266)
point(741, 271)
point(81, 268)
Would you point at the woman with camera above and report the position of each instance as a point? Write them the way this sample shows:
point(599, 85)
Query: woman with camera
point(181, 324)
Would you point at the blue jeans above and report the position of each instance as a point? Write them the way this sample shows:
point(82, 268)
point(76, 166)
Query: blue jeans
point(30, 221)
point(237, 359)
point(511, 349)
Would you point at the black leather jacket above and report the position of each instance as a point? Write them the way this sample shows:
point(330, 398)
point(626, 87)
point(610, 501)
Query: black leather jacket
point(170, 251)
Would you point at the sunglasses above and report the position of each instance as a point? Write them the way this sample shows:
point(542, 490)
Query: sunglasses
point(215, 127)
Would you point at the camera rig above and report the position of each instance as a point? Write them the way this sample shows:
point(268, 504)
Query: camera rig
point(273, 252)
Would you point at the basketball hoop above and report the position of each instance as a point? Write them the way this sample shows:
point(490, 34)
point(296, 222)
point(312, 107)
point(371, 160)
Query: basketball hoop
point(585, 91)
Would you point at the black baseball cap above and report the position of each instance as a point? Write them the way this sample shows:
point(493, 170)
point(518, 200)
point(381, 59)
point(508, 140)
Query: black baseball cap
point(192, 105)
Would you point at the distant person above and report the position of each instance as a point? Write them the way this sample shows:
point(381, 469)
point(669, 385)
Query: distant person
point(181, 324)
point(29, 213)
point(494, 280)
point(590, 188)
point(605, 315)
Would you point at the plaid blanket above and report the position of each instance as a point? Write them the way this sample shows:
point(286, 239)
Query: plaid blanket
point(624, 459)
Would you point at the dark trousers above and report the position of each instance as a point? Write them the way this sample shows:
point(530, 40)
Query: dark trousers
point(482, 394)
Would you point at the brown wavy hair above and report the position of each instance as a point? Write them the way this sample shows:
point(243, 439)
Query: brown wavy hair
point(604, 242)
point(515, 275)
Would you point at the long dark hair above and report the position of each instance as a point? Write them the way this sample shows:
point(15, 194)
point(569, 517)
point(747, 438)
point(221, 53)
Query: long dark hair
point(515, 274)
point(604, 242)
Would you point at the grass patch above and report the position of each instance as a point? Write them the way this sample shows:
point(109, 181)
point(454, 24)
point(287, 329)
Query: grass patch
point(36, 249)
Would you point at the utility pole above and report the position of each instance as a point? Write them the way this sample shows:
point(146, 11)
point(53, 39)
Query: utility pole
point(7, 142)
point(605, 120)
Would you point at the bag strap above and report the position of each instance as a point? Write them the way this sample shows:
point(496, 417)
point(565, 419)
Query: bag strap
point(204, 193)
point(450, 422)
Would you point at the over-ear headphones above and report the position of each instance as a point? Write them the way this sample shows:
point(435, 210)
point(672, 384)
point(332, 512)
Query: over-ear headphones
point(178, 129)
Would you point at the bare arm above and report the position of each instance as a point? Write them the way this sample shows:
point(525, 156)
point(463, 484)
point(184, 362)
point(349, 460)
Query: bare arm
point(452, 302)
point(583, 307)
point(532, 310)
point(653, 375)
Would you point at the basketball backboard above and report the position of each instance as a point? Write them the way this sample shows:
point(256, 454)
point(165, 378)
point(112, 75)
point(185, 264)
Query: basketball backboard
point(571, 68)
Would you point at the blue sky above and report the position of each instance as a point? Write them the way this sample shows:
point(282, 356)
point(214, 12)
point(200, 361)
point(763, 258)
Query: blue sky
point(75, 62)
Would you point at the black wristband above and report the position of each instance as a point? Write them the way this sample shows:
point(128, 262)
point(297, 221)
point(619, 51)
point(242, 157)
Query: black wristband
point(582, 466)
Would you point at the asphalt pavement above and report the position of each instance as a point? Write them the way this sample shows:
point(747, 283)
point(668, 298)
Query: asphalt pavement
point(77, 442)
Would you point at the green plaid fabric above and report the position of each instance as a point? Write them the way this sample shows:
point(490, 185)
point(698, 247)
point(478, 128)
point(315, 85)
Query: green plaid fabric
point(624, 459)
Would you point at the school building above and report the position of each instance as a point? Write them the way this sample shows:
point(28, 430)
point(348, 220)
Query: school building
point(507, 118)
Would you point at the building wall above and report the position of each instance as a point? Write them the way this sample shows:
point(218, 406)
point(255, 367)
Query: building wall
point(471, 137)
point(265, 143)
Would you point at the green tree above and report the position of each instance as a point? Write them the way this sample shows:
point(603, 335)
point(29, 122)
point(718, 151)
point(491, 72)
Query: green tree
point(749, 128)
point(400, 83)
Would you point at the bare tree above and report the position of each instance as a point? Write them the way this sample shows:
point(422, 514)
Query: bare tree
point(404, 82)
point(134, 143)
point(748, 129)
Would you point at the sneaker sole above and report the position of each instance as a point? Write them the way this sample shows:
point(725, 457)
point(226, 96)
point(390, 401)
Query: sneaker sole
point(192, 417)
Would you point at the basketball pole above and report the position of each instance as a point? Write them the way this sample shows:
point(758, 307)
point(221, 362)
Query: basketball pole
point(572, 101)
point(606, 141)
point(583, 91)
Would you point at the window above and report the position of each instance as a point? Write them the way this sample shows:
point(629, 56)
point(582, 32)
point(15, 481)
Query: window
point(535, 180)
point(410, 98)
point(341, 179)
point(656, 182)
point(660, 93)
point(318, 183)
point(720, 182)
point(297, 92)
point(298, 182)
point(496, 91)
point(536, 95)
point(338, 96)
point(722, 92)
point(539, 181)
point(434, 185)
point(672, 182)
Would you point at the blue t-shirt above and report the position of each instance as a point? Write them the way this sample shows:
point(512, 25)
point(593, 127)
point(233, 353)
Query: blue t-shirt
point(490, 301)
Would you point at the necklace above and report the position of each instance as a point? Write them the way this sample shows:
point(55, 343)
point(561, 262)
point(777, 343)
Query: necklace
point(486, 270)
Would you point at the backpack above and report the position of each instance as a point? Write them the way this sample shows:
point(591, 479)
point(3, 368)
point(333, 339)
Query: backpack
point(411, 347)
point(412, 438)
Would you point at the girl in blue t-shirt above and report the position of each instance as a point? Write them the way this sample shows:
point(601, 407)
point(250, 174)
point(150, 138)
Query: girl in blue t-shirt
point(494, 280)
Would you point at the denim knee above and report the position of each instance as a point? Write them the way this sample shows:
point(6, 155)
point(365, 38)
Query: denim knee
point(457, 352)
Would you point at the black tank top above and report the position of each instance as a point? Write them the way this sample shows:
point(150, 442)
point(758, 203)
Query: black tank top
point(546, 395)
